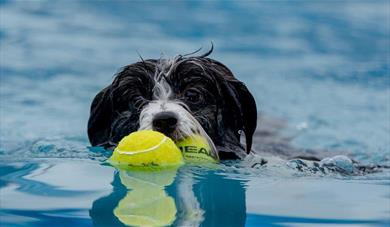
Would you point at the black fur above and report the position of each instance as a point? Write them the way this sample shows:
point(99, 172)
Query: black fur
point(221, 103)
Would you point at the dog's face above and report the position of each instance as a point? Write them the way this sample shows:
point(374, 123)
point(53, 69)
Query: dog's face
point(178, 97)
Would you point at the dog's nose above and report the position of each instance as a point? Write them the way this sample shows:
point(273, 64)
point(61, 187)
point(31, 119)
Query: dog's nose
point(165, 122)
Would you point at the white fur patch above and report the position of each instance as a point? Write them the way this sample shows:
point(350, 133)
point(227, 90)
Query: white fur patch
point(163, 101)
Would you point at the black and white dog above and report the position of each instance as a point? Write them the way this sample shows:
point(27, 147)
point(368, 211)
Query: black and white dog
point(179, 97)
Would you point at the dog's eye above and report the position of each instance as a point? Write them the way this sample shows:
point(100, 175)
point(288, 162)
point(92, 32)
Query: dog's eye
point(193, 96)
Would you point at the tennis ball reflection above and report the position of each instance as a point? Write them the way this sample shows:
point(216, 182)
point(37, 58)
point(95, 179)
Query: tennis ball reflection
point(146, 203)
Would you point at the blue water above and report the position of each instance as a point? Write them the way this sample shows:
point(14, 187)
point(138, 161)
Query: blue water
point(321, 69)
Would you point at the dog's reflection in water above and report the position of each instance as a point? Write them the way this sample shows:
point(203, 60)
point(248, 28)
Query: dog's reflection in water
point(178, 197)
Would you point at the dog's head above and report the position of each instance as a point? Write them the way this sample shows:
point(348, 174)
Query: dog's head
point(181, 96)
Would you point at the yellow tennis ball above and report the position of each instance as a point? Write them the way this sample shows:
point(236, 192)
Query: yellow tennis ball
point(195, 148)
point(146, 148)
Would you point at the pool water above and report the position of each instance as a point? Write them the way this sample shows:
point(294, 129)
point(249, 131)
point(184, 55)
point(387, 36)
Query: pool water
point(319, 72)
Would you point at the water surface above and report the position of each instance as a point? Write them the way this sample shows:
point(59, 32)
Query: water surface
point(319, 68)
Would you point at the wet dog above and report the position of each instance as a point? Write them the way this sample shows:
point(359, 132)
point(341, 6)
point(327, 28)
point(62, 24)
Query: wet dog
point(179, 97)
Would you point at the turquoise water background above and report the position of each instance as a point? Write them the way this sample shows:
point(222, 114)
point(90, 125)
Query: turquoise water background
point(320, 66)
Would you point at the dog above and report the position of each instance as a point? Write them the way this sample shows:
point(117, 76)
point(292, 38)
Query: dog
point(179, 97)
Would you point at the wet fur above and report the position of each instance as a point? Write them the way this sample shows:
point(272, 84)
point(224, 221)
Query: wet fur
point(226, 108)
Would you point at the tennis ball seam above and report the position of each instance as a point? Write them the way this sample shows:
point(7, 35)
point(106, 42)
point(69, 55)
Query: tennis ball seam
point(144, 150)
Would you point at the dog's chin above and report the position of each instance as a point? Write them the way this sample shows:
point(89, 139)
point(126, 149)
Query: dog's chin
point(175, 136)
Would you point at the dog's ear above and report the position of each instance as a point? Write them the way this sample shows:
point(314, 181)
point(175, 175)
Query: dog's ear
point(240, 112)
point(241, 108)
point(99, 123)
point(249, 112)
